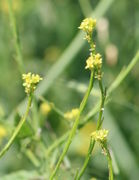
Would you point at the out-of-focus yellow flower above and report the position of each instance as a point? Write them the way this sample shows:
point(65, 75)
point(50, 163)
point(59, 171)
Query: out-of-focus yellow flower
point(71, 114)
point(93, 178)
point(82, 142)
point(100, 135)
point(94, 62)
point(45, 108)
point(3, 132)
point(30, 82)
point(16, 5)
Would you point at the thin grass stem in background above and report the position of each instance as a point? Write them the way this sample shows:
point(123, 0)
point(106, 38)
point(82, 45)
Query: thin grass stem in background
point(19, 58)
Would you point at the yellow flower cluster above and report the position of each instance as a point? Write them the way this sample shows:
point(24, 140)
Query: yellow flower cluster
point(94, 62)
point(30, 82)
point(100, 135)
point(87, 25)
point(71, 114)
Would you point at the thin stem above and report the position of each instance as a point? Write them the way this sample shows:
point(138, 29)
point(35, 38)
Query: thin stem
point(32, 157)
point(54, 108)
point(16, 131)
point(122, 75)
point(99, 122)
point(109, 162)
point(76, 174)
point(89, 153)
point(75, 125)
point(110, 167)
point(57, 143)
point(18, 58)
point(103, 97)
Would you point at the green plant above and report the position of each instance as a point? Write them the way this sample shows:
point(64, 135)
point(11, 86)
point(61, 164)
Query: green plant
point(41, 146)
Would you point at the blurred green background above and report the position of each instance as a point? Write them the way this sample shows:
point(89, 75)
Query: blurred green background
point(46, 28)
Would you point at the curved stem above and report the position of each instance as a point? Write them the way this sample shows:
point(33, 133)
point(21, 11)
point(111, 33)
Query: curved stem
point(16, 131)
point(99, 123)
point(75, 125)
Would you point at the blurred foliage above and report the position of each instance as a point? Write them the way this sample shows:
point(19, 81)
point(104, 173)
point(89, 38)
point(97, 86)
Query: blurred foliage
point(45, 29)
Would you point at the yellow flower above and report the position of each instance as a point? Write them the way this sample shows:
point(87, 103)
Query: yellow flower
point(30, 82)
point(45, 108)
point(71, 114)
point(3, 132)
point(94, 62)
point(88, 25)
point(100, 135)
point(89, 63)
point(98, 61)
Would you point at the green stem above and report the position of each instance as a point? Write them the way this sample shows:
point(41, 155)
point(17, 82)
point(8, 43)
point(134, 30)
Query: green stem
point(110, 167)
point(103, 98)
point(75, 125)
point(89, 153)
point(32, 157)
point(122, 75)
point(109, 162)
point(57, 143)
point(99, 122)
point(18, 58)
point(54, 108)
point(19, 126)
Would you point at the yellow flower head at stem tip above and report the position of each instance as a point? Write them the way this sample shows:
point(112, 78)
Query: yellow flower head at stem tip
point(30, 82)
point(87, 25)
point(94, 62)
point(100, 135)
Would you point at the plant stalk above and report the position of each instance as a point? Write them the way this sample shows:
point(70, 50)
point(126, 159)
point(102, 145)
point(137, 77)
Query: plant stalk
point(75, 125)
point(18, 128)
point(99, 123)
point(19, 58)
